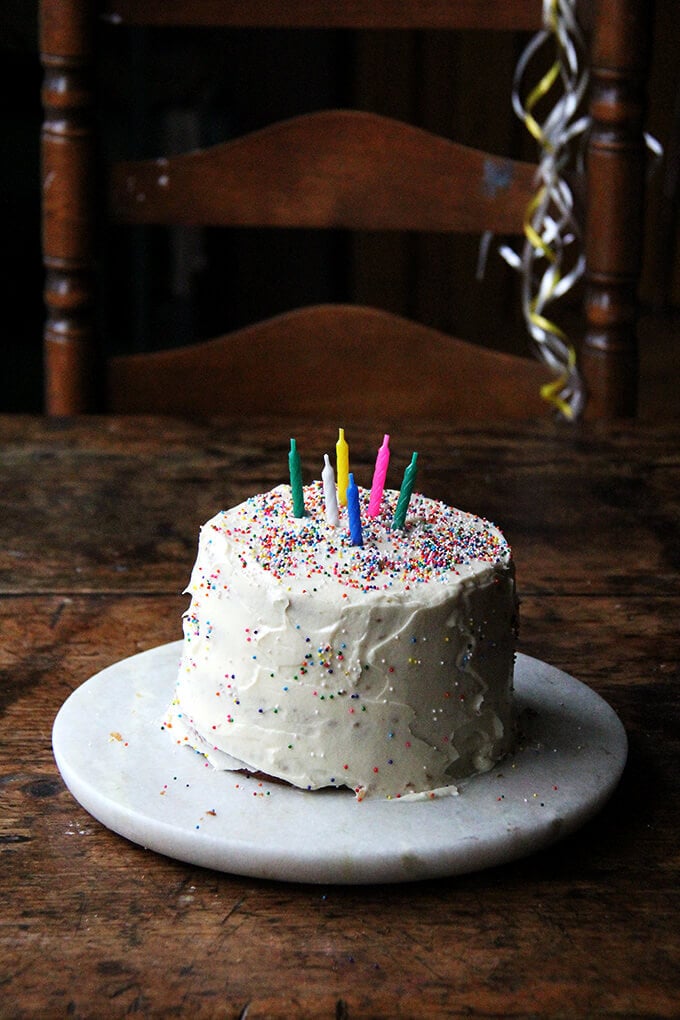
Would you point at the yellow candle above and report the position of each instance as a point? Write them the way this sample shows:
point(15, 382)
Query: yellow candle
point(342, 467)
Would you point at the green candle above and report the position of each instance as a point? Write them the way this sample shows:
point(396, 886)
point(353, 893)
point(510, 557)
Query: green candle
point(405, 494)
point(296, 481)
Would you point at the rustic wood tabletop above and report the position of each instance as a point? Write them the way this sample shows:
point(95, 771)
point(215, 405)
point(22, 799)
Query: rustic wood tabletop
point(98, 528)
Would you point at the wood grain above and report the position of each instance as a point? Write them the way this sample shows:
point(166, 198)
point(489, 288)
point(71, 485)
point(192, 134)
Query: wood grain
point(518, 14)
point(94, 926)
point(119, 506)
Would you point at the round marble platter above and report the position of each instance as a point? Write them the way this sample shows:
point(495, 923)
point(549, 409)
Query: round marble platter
point(125, 771)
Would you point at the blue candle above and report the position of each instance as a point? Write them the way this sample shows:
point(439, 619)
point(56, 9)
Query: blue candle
point(353, 512)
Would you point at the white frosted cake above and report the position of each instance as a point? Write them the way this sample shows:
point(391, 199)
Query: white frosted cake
point(384, 667)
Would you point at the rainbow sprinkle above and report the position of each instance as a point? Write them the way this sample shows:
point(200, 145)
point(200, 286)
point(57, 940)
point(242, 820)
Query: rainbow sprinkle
point(435, 541)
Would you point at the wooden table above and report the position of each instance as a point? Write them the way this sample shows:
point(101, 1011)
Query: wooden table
point(98, 528)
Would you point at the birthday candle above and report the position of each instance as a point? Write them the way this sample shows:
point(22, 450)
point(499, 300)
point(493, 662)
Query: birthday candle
point(329, 494)
point(380, 472)
point(354, 513)
point(405, 494)
point(296, 480)
point(342, 464)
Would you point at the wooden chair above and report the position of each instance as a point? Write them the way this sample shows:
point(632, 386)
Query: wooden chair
point(326, 170)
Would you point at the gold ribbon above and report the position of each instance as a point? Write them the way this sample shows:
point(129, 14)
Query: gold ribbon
point(551, 391)
point(542, 89)
point(549, 222)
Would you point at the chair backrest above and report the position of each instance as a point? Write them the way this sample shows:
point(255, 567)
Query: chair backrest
point(335, 169)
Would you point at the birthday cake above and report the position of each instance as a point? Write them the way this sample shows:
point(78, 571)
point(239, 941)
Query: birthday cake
point(383, 665)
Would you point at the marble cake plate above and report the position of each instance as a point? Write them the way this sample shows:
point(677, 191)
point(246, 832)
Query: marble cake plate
point(126, 772)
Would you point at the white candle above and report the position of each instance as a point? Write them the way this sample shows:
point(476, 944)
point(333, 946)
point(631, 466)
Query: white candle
point(329, 493)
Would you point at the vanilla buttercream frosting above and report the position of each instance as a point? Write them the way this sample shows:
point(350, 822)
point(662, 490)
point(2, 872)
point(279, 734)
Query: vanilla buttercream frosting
point(385, 668)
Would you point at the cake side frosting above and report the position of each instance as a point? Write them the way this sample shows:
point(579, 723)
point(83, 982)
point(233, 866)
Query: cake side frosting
point(386, 668)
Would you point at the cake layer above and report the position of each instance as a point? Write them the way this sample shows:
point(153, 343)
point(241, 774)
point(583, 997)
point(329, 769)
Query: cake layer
point(385, 668)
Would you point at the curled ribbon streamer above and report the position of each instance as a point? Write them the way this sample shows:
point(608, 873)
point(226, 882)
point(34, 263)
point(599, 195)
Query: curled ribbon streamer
point(550, 225)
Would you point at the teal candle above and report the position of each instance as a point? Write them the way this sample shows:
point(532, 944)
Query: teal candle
point(354, 512)
point(405, 494)
point(296, 481)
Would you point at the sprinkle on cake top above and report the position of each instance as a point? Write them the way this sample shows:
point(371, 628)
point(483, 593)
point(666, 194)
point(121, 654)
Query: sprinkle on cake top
point(437, 540)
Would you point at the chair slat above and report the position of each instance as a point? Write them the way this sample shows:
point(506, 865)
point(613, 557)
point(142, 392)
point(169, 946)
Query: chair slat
point(370, 362)
point(338, 168)
point(457, 14)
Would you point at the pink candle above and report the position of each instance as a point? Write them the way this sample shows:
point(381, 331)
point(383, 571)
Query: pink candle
point(379, 474)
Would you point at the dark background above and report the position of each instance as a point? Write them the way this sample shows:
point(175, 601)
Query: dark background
point(178, 89)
